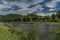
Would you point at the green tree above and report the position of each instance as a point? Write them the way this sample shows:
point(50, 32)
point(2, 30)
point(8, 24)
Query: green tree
point(32, 17)
point(53, 16)
point(58, 14)
point(46, 18)
point(12, 17)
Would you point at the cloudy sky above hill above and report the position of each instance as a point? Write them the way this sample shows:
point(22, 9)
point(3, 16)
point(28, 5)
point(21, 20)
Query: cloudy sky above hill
point(29, 6)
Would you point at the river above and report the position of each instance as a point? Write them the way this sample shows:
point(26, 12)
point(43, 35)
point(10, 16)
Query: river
point(42, 29)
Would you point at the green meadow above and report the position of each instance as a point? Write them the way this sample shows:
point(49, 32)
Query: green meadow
point(8, 32)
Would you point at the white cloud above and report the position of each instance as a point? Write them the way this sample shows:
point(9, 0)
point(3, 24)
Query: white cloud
point(30, 10)
point(4, 5)
point(37, 1)
point(56, 0)
point(31, 1)
point(25, 11)
point(51, 4)
point(51, 9)
point(39, 7)
point(24, 5)
point(47, 14)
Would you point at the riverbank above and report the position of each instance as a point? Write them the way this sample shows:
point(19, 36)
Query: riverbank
point(33, 22)
point(41, 22)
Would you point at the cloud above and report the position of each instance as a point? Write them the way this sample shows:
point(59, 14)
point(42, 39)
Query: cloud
point(3, 5)
point(56, 0)
point(51, 4)
point(24, 4)
point(39, 7)
point(21, 3)
point(25, 11)
point(52, 9)
point(30, 10)
point(46, 14)
point(37, 1)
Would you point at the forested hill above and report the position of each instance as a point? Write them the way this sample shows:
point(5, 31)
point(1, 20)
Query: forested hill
point(30, 18)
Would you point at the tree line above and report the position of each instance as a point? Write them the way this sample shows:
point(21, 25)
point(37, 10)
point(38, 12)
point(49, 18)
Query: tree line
point(30, 18)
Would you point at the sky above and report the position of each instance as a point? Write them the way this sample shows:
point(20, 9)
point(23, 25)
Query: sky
point(24, 7)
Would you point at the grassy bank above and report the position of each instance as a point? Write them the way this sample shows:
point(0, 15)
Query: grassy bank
point(8, 32)
point(41, 22)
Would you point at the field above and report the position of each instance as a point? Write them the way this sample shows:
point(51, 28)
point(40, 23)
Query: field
point(8, 32)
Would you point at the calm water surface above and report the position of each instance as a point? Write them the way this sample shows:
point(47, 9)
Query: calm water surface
point(42, 29)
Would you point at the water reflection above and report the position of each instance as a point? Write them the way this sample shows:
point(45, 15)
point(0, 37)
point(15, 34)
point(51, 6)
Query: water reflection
point(42, 29)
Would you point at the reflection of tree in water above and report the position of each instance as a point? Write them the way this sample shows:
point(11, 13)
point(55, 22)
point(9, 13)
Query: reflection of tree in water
point(47, 27)
point(46, 32)
point(42, 30)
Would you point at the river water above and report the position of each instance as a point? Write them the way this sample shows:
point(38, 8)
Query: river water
point(42, 29)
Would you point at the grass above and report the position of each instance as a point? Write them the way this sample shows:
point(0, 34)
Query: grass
point(8, 32)
point(56, 33)
point(41, 22)
point(11, 33)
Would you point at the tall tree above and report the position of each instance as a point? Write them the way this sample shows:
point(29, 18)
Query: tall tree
point(58, 14)
point(46, 18)
point(32, 17)
point(53, 16)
